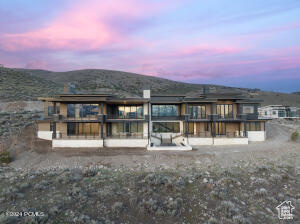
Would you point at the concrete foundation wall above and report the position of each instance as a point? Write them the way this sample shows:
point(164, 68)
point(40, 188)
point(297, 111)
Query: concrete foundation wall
point(76, 143)
point(230, 141)
point(126, 143)
point(47, 135)
point(200, 141)
point(256, 136)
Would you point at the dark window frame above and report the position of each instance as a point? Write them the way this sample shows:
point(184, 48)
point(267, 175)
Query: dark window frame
point(193, 111)
point(224, 108)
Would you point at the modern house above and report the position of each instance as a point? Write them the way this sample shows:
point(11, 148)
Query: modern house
point(107, 120)
point(277, 111)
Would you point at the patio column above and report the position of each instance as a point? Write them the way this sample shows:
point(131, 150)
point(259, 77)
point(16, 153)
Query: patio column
point(54, 123)
point(101, 124)
point(213, 130)
point(149, 120)
point(54, 130)
point(245, 128)
point(186, 122)
point(213, 113)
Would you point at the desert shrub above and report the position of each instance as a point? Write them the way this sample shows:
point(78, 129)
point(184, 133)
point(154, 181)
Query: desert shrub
point(294, 136)
point(5, 157)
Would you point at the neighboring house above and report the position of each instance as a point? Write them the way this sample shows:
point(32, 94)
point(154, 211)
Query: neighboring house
point(97, 120)
point(277, 111)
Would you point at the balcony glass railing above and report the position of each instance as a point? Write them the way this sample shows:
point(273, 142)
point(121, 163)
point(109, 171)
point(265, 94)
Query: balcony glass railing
point(127, 116)
point(226, 115)
point(125, 135)
point(198, 116)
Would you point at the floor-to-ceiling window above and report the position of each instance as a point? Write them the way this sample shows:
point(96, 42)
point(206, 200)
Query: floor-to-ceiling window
point(84, 110)
point(88, 110)
point(197, 111)
point(71, 110)
point(165, 110)
point(125, 111)
point(225, 110)
point(124, 129)
point(85, 129)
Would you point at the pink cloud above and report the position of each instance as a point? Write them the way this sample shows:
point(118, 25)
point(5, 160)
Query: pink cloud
point(85, 26)
point(204, 50)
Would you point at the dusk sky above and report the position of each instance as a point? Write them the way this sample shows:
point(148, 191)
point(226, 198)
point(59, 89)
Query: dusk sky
point(254, 43)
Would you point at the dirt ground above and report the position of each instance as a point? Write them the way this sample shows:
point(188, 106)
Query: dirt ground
point(41, 156)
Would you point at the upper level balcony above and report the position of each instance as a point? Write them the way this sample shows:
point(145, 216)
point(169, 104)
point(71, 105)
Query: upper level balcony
point(128, 116)
point(198, 117)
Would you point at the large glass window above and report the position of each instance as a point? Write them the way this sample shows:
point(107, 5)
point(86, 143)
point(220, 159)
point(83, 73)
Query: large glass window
point(89, 129)
point(225, 110)
point(71, 110)
point(165, 110)
point(125, 111)
point(220, 128)
point(166, 127)
point(253, 126)
point(197, 111)
point(129, 127)
point(281, 113)
point(87, 110)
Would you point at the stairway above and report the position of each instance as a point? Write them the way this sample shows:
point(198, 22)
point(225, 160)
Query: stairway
point(177, 144)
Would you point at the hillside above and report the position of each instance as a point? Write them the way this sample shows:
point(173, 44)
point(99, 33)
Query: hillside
point(95, 80)
point(99, 80)
point(18, 85)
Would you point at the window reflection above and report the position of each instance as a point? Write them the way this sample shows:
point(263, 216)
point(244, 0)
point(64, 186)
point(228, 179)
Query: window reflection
point(197, 111)
point(165, 110)
point(125, 111)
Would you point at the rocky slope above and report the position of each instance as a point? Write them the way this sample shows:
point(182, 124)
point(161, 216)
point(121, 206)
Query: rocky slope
point(244, 193)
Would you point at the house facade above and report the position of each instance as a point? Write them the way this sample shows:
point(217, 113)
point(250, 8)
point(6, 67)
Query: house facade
point(278, 111)
point(104, 120)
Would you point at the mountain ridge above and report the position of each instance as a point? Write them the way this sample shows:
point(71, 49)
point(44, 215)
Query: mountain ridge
point(132, 84)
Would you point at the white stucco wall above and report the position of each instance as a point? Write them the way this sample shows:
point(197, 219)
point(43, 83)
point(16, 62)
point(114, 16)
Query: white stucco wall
point(47, 135)
point(76, 143)
point(126, 142)
point(145, 129)
point(200, 141)
point(256, 136)
point(230, 141)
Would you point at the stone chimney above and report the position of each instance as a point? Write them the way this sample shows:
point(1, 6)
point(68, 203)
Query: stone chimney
point(147, 94)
